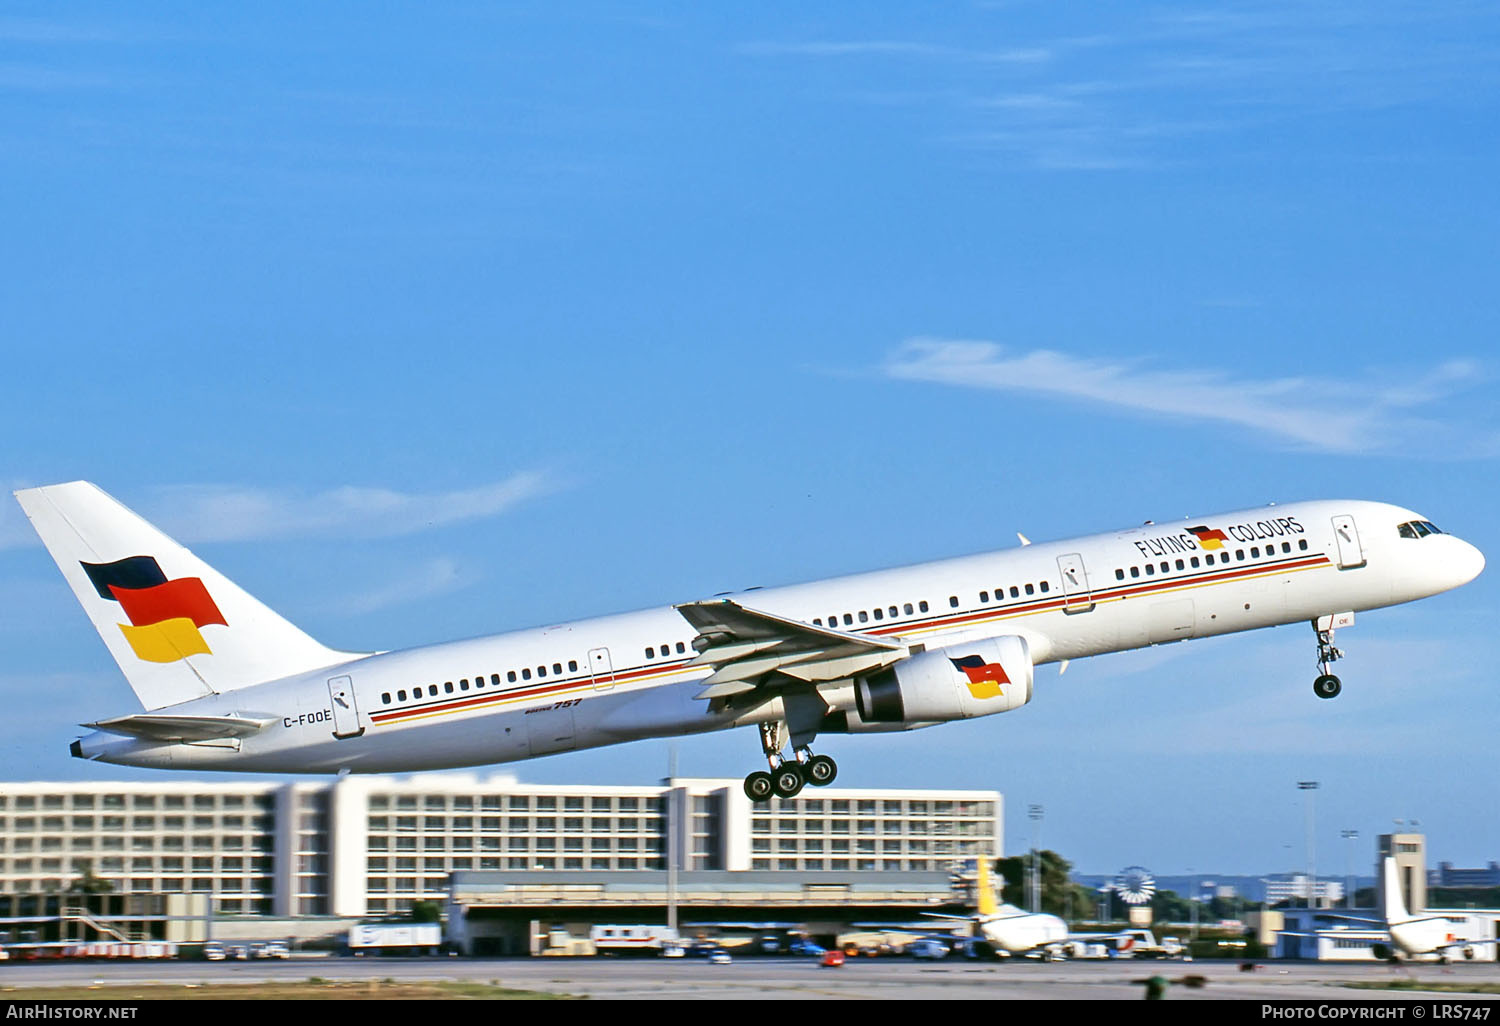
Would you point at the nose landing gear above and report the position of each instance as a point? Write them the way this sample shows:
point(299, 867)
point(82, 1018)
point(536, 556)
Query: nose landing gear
point(787, 777)
point(1327, 685)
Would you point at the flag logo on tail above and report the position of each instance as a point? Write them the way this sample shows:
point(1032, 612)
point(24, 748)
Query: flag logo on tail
point(1210, 540)
point(984, 678)
point(165, 615)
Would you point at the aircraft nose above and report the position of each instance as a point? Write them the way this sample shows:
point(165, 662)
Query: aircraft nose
point(1466, 562)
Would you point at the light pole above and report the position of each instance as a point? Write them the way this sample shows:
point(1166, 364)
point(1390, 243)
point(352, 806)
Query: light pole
point(1195, 896)
point(1308, 787)
point(1351, 836)
point(1034, 813)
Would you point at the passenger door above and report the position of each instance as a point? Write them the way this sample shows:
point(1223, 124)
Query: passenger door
point(602, 669)
point(1346, 535)
point(345, 711)
point(1075, 583)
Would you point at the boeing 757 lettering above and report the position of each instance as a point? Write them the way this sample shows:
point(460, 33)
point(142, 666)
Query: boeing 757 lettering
point(227, 684)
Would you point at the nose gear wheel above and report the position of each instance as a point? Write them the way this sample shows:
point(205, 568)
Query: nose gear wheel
point(1327, 685)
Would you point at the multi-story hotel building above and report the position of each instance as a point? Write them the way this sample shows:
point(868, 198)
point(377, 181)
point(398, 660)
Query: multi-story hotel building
point(371, 846)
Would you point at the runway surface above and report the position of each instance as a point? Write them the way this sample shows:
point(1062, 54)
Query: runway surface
point(758, 978)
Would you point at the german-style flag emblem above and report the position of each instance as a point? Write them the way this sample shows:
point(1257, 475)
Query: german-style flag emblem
point(1210, 540)
point(984, 678)
point(165, 616)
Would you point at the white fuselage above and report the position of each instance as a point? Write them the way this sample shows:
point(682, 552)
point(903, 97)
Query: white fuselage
point(620, 678)
point(1015, 931)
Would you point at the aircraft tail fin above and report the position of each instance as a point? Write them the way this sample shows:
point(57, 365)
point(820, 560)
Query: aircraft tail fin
point(985, 890)
point(1395, 904)
point(177, 627)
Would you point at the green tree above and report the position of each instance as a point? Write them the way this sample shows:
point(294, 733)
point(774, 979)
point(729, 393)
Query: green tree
point(88, 883)
point(426, 912)
point(1060, 895)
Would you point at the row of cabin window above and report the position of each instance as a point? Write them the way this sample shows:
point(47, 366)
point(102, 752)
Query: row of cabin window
point(880, 614)
point(666, 650)
point(1015, 592)
point(1239, 555)
point(463, 684)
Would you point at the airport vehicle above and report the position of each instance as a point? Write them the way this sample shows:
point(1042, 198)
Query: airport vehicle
point(928, 948)
point(227, 684)
point(640, 939)
point(395, 939)
point(719, 957)
point(1137, 943)
point(831, 959)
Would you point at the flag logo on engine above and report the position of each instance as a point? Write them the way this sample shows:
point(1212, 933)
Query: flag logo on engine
point(984, 678)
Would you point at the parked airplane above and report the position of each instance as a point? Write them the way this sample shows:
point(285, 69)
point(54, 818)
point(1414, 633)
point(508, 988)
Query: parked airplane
point(1414, 936)
point(227, 684)
point(1009, 930)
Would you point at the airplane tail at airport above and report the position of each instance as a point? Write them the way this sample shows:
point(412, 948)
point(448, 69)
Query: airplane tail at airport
point(1395, 904)
point(177, 627)
point(984, 890)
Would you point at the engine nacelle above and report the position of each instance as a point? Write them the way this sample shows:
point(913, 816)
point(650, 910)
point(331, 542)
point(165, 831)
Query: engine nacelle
point(954, 683)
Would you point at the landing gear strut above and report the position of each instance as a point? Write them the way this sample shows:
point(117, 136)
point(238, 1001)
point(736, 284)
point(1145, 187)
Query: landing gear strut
point(1327, 685)
point(787, 777)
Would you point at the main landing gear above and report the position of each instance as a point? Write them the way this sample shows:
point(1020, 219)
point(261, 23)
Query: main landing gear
point(787, 777)
point(1327, 685)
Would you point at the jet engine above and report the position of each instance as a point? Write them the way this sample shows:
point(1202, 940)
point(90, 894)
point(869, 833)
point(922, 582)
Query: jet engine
point(954, 683)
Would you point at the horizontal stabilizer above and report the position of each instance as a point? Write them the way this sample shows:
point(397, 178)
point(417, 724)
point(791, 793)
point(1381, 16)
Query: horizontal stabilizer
point(183, 728)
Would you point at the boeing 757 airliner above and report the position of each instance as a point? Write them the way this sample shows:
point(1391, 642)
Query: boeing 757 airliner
point(227, 684)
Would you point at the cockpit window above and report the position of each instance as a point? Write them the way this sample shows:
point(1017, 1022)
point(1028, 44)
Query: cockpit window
point(1417, 529)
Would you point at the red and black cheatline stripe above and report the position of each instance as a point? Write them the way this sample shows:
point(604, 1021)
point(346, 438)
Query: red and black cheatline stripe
point(1058, 602)
point(1061, 601)
point(526, 691)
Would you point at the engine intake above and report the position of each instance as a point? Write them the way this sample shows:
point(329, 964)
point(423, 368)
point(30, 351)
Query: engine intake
point(954, 683)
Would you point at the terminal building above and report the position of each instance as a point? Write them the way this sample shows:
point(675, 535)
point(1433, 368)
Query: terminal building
point(360, 846)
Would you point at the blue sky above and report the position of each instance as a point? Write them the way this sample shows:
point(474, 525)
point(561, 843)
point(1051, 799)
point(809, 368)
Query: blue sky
point(429, 321)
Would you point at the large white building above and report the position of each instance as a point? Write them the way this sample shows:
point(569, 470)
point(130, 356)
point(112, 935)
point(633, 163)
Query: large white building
point(367, 846)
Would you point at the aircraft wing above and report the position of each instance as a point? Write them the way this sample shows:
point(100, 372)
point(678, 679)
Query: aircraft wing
point(155, 727)
point(1378, 923)
point(748, 648)
point(1466, 943)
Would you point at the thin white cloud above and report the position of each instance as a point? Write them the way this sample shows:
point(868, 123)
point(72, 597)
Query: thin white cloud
point(897, 48)
point(233, 513)
point(216, 513)
point(427, 580)
point(1137, 97)
point(1356, 414)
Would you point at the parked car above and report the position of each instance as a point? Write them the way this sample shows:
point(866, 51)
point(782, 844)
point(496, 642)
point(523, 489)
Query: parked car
point(213, 951)
point(928, 947)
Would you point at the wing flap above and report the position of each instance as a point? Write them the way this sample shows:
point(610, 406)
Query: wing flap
point(746, 646)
